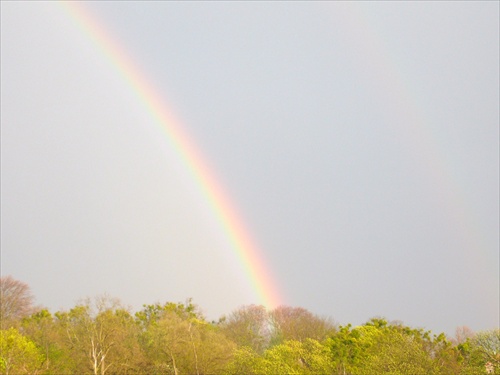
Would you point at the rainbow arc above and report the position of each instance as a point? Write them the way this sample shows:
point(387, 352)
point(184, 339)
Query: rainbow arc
point(205, 178)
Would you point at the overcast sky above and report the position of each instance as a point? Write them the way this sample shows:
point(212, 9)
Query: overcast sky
point(359, 142)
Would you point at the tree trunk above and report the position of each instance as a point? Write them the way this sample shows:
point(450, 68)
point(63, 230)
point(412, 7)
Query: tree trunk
point(173, 363)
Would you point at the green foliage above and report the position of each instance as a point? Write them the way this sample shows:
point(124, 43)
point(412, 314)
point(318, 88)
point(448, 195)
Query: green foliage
point(176, 339)
point(102, 337)
point(380, 347)
point(346, 349)
point(18, 354)
point(246, 361)
point(43, 330)
point(296, 357)
point(153, 313)
point(481, 353)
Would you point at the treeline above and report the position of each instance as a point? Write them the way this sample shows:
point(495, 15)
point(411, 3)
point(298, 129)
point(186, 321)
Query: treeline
point(101, 336)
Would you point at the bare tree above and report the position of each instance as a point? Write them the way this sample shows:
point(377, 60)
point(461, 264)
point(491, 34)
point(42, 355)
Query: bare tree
point(462, 334)
point(297, 323)
point(248, 326)
point(16, 301)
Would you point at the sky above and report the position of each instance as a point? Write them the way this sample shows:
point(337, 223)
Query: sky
point(358, 143)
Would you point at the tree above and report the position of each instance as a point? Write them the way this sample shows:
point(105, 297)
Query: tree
point(379, 347)
point(246, 361)
point(18, 354)
point(178, 340)
point(248, 326)
point(462, 334)
point(307, 357)
point(42, 328)
point(214, 350)
point(101, 337)
point(16, 301)
point(347, 349)
point(393, 352)
point(481, 353)
point(488, 343)
point(297, 323)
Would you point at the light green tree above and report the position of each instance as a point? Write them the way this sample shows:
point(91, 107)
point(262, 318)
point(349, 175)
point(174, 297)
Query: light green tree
point(101, 337)
point(488, 343)
point(18, 354)
point(43, 329)
point(481, 353)
point(347, 349)
point(214, 349)
point(307, 357)
point(246, 361)
point(392, 352)
point(178, 340)
point(380, 347)
point(291, 357)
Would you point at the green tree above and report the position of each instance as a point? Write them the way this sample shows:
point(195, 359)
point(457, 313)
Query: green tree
point(347, 349)
point(481, 353)
point(246, 361)
point(307, 357)
point(214, 349)
point(178, 340)
point(380, 347)
point(43, 329)
point(101, 337)
point(18, 354)
point(166, 335)
point(393, 352)
point(488, 344)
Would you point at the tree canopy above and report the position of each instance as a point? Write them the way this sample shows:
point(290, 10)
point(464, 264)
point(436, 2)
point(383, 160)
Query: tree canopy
point(101, 336)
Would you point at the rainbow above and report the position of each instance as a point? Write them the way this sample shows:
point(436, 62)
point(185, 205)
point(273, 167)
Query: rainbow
point(205, 178)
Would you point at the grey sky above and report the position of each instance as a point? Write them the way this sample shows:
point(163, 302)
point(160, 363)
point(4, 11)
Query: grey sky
point(359, 141)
